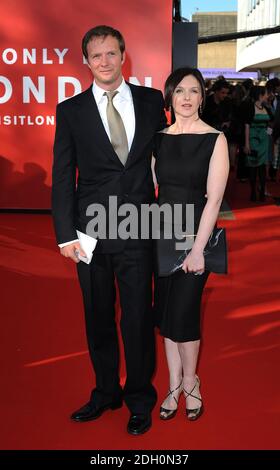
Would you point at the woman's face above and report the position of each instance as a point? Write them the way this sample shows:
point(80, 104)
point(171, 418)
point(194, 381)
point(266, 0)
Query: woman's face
point(263, 98)
point(187, 97)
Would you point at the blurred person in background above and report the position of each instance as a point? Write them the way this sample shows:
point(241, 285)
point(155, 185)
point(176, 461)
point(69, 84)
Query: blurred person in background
point(257, 140)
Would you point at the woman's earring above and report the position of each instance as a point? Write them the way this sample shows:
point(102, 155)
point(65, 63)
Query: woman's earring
point(200, 109)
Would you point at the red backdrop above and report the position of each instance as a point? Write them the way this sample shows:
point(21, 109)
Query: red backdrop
point(40, 52)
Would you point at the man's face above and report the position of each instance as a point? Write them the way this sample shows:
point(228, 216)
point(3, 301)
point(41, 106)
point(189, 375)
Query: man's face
point(222, 94)
point(105, 61)
point(270, 96)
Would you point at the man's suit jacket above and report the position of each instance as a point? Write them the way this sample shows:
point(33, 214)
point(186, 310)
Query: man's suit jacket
point(86, 168)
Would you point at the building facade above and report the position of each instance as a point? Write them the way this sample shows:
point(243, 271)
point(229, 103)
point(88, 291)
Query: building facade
point(216, 55)
point(259, 52)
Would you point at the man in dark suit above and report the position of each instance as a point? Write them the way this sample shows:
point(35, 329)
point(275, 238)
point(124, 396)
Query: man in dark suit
point(86, 140)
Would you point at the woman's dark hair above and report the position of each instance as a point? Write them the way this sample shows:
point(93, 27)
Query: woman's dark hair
point(256, 92)
point(176, 77)
point(102, 31)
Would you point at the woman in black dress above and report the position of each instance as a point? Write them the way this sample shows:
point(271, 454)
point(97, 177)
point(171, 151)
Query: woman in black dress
point(191, 167)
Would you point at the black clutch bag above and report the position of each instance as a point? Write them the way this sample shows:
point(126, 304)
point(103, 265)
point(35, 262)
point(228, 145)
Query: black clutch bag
point(170, 258)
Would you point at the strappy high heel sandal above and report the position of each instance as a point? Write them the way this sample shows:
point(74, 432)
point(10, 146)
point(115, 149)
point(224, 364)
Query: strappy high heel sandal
point(195, 413)
point(166, 414)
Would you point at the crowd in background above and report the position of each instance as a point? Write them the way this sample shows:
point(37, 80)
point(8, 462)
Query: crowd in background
point(249, 116)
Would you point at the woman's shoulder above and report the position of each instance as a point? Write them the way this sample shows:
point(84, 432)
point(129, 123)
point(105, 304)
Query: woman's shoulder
point(205, 128)
point(217, 136)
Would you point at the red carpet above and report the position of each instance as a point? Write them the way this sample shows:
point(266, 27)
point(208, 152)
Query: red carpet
point(46, 372)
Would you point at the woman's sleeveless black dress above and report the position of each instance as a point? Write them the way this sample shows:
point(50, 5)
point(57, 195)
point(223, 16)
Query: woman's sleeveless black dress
point(182, 163)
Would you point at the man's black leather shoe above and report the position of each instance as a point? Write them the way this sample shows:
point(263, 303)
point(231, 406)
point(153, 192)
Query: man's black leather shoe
point(138, 424)
point(91, 411)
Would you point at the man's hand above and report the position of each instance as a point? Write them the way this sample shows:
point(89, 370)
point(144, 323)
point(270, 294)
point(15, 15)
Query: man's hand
point(71, 251)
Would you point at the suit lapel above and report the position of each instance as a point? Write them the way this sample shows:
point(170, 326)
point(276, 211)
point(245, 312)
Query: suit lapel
point(139, 111)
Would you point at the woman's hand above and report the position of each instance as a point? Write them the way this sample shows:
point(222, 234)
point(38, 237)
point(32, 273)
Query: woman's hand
point(194, 263)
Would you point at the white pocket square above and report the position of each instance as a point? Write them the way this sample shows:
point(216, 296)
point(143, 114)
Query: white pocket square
point(88, 245)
